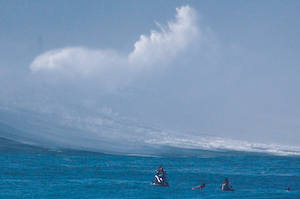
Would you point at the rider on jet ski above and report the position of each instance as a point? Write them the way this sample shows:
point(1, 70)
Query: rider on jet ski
point(227, 185)
point(160, 175)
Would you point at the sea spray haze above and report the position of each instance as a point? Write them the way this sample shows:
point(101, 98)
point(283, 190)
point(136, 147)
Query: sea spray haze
point(188, 83)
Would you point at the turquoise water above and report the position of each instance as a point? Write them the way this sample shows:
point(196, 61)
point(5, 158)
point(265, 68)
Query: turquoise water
point(34, 172)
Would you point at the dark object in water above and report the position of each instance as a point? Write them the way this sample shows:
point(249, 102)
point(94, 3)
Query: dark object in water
point(228, 189)
point(162, 184)
point(227, 185)
point(200, 186)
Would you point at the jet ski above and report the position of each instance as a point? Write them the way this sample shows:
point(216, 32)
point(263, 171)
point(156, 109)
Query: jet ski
point(161, 184)
point(160, 181)
point(228, 189)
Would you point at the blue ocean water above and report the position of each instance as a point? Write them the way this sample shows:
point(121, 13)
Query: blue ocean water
point(36, 172)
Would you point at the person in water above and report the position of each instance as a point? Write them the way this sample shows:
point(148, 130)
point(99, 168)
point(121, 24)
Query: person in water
point(160, 175)
point(226, 186)
point(200, 186)
point(288, 189)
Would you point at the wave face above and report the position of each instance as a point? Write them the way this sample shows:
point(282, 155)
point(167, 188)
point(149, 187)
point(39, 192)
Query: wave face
point(175, 84)
point(111, 133)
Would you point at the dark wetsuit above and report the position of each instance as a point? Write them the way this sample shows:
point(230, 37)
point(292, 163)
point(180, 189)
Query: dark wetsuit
point(226, 186)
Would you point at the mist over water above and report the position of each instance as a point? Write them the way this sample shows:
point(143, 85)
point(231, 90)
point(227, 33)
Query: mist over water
point(179, 87)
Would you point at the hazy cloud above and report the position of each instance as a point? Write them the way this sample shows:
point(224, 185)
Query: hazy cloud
point(111, 69)
point(162, 47)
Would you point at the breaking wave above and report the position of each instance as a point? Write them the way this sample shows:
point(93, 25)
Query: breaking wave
point(171, 75)
point(111, 133)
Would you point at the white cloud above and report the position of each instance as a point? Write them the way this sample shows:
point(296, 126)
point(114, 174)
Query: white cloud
point(77, 60)
point(110, 68)
point(106, 68)
point(162, 47)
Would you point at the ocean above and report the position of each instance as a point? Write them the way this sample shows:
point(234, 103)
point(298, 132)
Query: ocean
point(30, 171)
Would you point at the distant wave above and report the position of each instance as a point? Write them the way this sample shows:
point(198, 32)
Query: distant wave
point(224, 144)
point(110, 133)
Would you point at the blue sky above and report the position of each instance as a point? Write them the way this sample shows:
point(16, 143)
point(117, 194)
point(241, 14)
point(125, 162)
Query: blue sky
point(99, 23)
point(222, 68)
